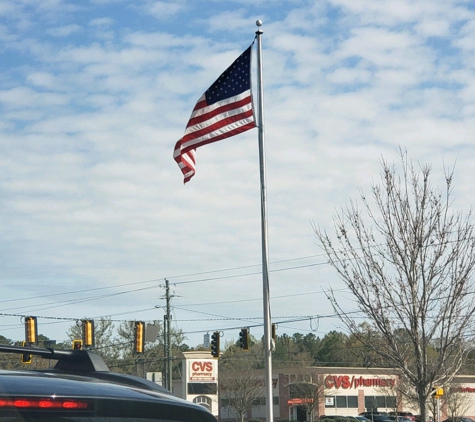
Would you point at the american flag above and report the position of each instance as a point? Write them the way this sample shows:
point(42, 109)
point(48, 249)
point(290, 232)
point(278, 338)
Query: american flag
point(224, 110)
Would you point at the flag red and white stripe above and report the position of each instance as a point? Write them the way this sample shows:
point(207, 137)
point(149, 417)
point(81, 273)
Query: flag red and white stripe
point(224, 110)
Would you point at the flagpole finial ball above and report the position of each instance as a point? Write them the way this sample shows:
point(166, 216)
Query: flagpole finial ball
point(259, 22)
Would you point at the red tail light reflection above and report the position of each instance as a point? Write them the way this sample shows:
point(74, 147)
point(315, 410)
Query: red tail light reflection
point(23, 403)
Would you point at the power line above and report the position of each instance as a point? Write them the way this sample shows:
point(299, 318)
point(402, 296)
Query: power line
point(77, 291)
point(172, 277)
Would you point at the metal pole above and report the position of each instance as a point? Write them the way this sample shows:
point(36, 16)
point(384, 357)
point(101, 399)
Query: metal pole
point(265, 260)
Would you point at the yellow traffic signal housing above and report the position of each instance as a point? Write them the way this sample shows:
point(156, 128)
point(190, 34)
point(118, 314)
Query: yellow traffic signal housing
point(437, 392)
point(139, 337)
point(88, 333)
point(25, 357)
point(31, 331)
point(77, 344)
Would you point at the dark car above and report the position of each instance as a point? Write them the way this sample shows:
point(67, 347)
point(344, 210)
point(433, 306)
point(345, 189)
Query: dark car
point(342, 418)
point(381, 418)
point(376, 416)
point(459, 419)
point(406, 415)
point(395, 418)
point(428, 418)
point(368, 414)
point(75, 392)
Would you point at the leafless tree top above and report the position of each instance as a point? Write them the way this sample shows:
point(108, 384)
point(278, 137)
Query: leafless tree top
point(408, 258)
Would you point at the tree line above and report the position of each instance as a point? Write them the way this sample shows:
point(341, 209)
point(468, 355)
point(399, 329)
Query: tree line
point(116, 345)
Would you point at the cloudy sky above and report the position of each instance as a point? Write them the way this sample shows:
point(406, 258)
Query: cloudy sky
point(95, 93)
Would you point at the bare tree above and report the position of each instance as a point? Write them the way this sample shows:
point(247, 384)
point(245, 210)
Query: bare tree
point(309, 388)
point(240, 384)
point(409, 262)
point(456, 401)
point(153, 358)
point(433, 405)
point(103, 339)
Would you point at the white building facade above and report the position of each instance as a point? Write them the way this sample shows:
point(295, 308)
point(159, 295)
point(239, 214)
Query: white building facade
point(199, 383)
point(344, 391)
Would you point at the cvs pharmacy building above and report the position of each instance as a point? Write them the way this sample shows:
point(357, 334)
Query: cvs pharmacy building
point(304, 394)
point(337, 391)
point(353, 392)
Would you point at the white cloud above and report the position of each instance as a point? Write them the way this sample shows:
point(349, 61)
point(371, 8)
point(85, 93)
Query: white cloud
point(101, 22)
point(64, 31)
point(164, 9)
point(7, 8)
point(91, 195)
point(26, 97)
point(43, 79)
point(348, 76)
point(433, 28)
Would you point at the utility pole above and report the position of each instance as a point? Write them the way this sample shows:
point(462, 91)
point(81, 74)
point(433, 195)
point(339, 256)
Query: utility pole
point(167, 360)
point(165, 348)
point(168, 354)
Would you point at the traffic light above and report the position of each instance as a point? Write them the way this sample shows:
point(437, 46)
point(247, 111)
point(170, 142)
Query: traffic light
point(437, 392)
point(274, 336)
point(77, 344)
point(88, 332)
point(215, 344)
point(31, 331)
point(25, 357)
point(244, 339)
point(139, 337)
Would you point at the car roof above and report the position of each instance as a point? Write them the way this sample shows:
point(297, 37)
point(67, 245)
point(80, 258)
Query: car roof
point(104, 390)
point(83, 362)
point(109, 399)
point(124, 379)
point(375, 413)
point(31, 383)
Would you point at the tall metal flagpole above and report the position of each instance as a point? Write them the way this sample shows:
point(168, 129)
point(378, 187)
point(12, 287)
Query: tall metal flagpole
point(265, 268)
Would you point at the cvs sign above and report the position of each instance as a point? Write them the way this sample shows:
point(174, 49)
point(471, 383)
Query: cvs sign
point(202, 370)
